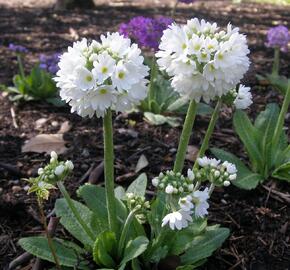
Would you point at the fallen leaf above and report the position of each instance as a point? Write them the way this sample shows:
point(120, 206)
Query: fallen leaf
point(191, 153)
point(65, 127)
point(141, 164)
point(45, 143)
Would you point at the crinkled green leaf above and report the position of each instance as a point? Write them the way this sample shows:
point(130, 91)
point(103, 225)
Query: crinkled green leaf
point(204, 245)
point(105, 249)
point(245, 178)
point(69, 254)
point(158, 119)
point(138, 186)
point(68, 220)
point(251, 137)
point(134, 249)
point(283, 172)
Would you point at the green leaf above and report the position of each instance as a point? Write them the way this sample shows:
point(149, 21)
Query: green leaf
point(95, 198)
point(245, 178)
point(279, 82)
point(177, 104)
point(204, 245)
point(158, 119)
point(105, 249)
point(138, 186)
point(134, 248)
point(158, 210)
point(69, 254)
point(251, 137)
point(283, 172)
point(120, 192)
point(181, 240)
point(69, 221)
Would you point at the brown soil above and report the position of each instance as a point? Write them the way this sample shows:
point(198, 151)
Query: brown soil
point(258, 220)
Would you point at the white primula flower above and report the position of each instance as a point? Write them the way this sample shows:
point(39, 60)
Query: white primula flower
point(186, 203)
point(97, 76)
point(203, 61)
point(155, 181)
point(190, 175)
point(231, 168)
point(200, 202)
point(84, 79)
point(203, 162)
point(104, 67)
point(244, 98)
point(177, 220)
point(59, 170)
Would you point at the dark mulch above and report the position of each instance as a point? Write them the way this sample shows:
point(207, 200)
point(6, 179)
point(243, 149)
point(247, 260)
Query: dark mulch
point(258, 219)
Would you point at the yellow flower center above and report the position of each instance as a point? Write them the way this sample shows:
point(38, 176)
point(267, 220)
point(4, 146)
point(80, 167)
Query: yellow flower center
point(103, 91)
point(197, 47)
point(220, 56)
point(121, 75)
point(104, 70)
point(184, 46)
point(89, 78)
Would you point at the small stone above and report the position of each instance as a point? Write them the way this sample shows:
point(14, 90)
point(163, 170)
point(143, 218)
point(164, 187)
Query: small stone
point(85, 153)
point(1, 190)
point(54, 123)
point(16, 189)
point(172, 150)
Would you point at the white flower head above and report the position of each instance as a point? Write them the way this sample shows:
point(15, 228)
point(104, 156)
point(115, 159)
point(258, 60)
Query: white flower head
point(169, 189)
point(200, 202)
point(59, 170)
point(53, 154)
point(69, 165)
point(185, 203)
point(177, 220)
point(97, 76)
point(203, 61)
point(244, 98)
point(231, 168)
point(155, 181)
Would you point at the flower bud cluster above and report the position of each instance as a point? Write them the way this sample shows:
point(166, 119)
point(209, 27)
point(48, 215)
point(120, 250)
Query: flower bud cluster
point(47, 177)
point(220, 174)
point(138, 204)
point(175, 183)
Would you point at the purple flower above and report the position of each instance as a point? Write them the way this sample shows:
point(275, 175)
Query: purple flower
point(49, 62)
point(145, 31)
point(278, 37)
point(17, 48)
point(186, 1)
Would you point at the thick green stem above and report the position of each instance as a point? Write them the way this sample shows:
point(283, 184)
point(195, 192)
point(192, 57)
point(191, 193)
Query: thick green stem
point(281, 118)
point(124, 233)
point(185, 135)
point(20, 65)
point(74, 210)
point(49, 239)
point(151, 85)
point(109, 171)
point(209, 132)
point(276, 65)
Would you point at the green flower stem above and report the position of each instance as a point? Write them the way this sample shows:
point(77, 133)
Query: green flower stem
point(74, 210)
point(185, 135)
point(281, 118)
point(20, 65)
point(211, 189)
point(276, 64)
point(209, 132)
point(151, 85)
point(49, 239)
point(109, 171)
point(125, 230)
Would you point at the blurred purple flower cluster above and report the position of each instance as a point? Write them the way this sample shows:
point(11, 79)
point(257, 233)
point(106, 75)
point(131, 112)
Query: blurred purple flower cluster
point(278, 37)
point(186, 1)
point(17, 48)
point(49, 62)
point(145, 31)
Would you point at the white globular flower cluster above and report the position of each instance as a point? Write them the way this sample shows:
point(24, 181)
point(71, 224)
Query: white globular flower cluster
point(243, 97)
point(174, 183)
point(203, 61)
point(97, 76)
point(220, 174)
